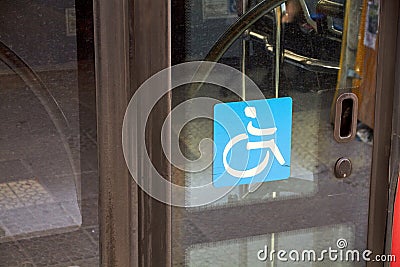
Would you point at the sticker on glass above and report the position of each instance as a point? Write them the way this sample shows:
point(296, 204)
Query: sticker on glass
point(252, 141)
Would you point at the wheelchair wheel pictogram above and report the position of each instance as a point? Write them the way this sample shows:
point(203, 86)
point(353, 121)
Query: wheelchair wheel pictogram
point(245, 173)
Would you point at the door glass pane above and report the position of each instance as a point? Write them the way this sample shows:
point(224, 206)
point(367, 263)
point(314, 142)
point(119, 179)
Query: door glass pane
point(312, 52)
point(48, 154)
point(245, 251)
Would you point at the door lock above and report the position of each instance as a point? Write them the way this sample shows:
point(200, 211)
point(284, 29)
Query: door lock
point(343, 168)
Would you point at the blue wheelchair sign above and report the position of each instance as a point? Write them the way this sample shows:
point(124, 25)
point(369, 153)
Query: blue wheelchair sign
point(252, 141)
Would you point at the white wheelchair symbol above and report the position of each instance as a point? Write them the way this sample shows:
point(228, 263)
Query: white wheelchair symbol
point(250, 112)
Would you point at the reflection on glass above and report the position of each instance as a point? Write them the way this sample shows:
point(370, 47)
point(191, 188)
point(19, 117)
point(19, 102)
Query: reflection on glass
point(39, 133)
point(48, 149)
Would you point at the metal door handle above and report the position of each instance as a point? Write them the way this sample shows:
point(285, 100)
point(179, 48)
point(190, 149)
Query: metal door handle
point(346, 117)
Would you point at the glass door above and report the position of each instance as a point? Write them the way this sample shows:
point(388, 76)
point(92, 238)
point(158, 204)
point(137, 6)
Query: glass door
point(48, 147)
point(294, 91)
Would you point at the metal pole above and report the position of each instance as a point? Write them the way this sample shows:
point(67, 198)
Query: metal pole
point(244, 54)
point(244, 188)
point(278, 33)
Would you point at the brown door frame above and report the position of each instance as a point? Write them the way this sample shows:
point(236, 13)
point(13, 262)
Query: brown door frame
point(116, 196)
point(132, 42)
point(387, 67)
